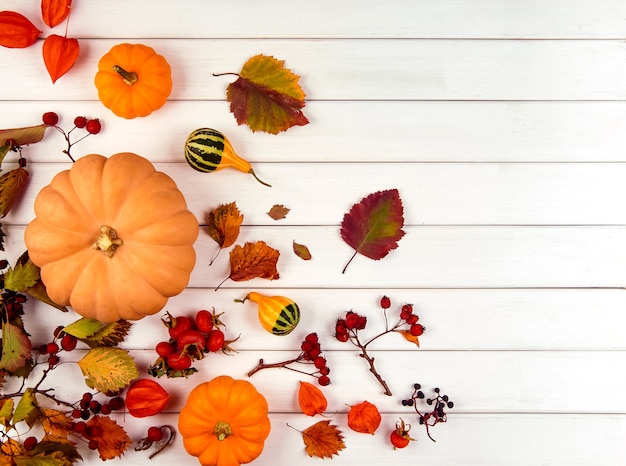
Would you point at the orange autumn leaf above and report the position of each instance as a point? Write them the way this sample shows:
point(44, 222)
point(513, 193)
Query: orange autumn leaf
point(267, 96)
point(311, 399)
point(59, 55)
point(53, 12)
point(364, 417)
point(58, 427)
point(323, 439)
point(224, 225)
point(16, 31)
point(113, 440)
point(409, 337)
point(253, 260)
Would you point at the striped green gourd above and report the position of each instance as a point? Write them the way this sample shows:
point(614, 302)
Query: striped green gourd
point(208, 150)
point(278, 315)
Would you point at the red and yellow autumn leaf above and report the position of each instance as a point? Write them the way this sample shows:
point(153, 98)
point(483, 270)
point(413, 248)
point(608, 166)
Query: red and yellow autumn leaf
point(224, 224)
point(57, 426)
point(409, 337)
point(373, 226)
point(267, 96)
point(16, 31)
point(323, 440)
point(16, 347)
point(59, 54)
point(53, 12)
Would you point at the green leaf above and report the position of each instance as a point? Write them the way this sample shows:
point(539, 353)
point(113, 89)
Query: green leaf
point(39, 461)
point(16, 347)
point(6, 411)
point(108, 369)
point(83, 328)
point(26, 409)
point(21, 277)
point(23, 136)
point(109, 335)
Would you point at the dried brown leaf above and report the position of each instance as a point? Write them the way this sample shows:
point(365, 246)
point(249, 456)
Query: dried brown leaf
point(323, 440)
point(278, 211)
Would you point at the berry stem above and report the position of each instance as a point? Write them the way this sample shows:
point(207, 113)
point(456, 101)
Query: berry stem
point(370, 360)
point(261, 365)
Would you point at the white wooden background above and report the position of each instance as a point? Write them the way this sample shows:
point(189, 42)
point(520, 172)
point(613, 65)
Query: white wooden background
point(502, 125)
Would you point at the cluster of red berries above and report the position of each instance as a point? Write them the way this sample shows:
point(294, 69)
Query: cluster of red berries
point(311, 351)
point(437, 406)
point(191, 338)
point(12, 305)
point(351, 322)
point(88, 406)
point(62, 342)
point(90, 125)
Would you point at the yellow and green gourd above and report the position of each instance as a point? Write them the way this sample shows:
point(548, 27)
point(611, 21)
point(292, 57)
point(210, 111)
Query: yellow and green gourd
point(208, 150)
point(278, 315)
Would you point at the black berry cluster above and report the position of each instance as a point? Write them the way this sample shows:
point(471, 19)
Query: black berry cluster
point(435, 410)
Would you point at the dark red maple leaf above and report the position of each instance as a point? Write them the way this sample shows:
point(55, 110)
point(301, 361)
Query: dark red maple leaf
point(373, 226)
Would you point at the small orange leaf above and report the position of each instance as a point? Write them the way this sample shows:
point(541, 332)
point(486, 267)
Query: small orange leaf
point(113, 441)
point(16, 31)
point(58, 427)
point(409, 337)
point(364, 417)
point(323, 439)
point(253, 260)
point(311, 399)
point(59, 55)
point(53, 12)
point(267, 96)
point(278, 211)
point(224, 225)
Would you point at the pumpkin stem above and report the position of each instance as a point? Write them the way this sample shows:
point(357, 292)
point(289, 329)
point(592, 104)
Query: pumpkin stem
point(222, 430)
point(128, 77)
point(107, 241)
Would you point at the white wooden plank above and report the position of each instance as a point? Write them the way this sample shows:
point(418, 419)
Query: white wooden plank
point(460, 319)
point(515, 440)
point(427, 257)
point(432, 193)
point(374, 69)
point(477, 381)
point(399, 131)
point(371, 19)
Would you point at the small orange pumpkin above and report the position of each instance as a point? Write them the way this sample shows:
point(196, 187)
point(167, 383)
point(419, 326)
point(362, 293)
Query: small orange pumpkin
point(133, 80)
point(224, 422)
point(113, 237)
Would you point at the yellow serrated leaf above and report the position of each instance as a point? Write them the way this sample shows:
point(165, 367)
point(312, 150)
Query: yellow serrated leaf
point(108, 369)
point(21, 277)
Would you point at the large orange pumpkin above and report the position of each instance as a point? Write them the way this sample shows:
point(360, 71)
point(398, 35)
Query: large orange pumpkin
point(224, 422)
point(113, 237)
point(133, 80)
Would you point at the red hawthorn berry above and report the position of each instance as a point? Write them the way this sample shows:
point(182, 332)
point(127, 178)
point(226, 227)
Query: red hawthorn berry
point(361, 323)
point(155, 434)
point(342, 336)
point(93, 126)
point(319, 362)
point(417, 330)
point(411, 319)
point(52, 348)
point(50, 118)
point(204, 321)
point(215, 340)
point(323, 380)
point(385, 302)
point(80, 121)
point(69, 342)
point(164, 349)
point(312, 338)
point(306, 346)
point(30, 443)
point(352, 320)
point(179, 361)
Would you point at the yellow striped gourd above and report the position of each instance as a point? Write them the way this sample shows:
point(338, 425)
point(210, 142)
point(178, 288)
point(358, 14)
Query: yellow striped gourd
point(278, 315)
point(208, 150)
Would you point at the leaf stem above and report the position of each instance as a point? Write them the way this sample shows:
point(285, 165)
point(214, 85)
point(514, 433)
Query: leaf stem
point(226, 74)
point(346, 266)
